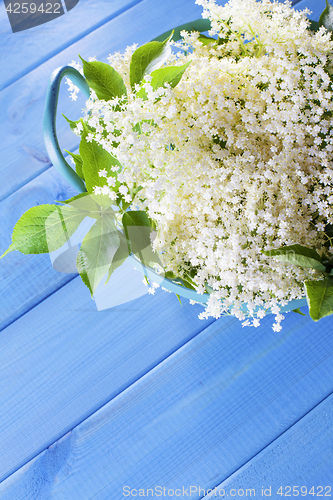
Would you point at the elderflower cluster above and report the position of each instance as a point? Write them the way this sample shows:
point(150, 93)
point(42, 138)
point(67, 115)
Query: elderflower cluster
point(237, 158)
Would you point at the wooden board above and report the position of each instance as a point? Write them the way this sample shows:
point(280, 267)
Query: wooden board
point(194, 419)
point(27, 279)
point(63, 360)
point(300, 459)
point(30, 48)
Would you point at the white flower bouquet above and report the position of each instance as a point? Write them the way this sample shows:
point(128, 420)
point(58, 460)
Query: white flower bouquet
point(222, 151)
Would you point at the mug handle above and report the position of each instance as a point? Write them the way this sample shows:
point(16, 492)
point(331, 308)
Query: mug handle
point(49, 123)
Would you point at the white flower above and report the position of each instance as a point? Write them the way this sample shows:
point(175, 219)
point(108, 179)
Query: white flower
point(123, 189)
point(111, 181)
point(231, 160)
point(78, 129)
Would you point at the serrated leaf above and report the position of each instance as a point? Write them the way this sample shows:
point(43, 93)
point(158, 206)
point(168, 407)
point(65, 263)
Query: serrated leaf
point(104, 80)
point(147, 58)
point(95, 158)
point(120, 256)
point(72, 123)
point(171, 75)
point(187, 284)
point(326, 17)
point(97, 251)
point(78, 163)
point(298, 311)
point(178, 297)
point(299, 255)
point(44, 228)
point(80, 260)
point(320, 298)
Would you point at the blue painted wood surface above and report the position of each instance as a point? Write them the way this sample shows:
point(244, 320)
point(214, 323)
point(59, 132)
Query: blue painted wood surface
point(194, 419)
point(302, 456)
point(143, 394)
point(25, 51)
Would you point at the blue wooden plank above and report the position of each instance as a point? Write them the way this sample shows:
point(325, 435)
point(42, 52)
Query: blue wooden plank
point(301, 459)
point(26, 280)
point(23, 155)
point(23, 51)
point(63, 360)
point(316, 7)
point(193, 420)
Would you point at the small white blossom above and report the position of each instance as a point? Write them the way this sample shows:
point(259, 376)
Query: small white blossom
point(78, 129)
point(111, 181)
point(123, 189)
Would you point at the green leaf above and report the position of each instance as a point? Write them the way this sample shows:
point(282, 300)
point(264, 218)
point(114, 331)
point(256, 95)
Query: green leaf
point(299, 255)
point(178, 297)
point(120, 256)
point(170, 275)
point(95, 158)
point(78, 163)
point(148, 58)
point(97, 252)
point(44, 228)
point(206, 40)
point(320, 298)
point(137, 218)
point(187, 284)
point(326, 17)
point(80, 266)
point(76, 197)
point(93, 205)
point(138, 228)
point(314, 26)
point(298, 311)
point(104, 80)
point(72, 123)
point(171, 75)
